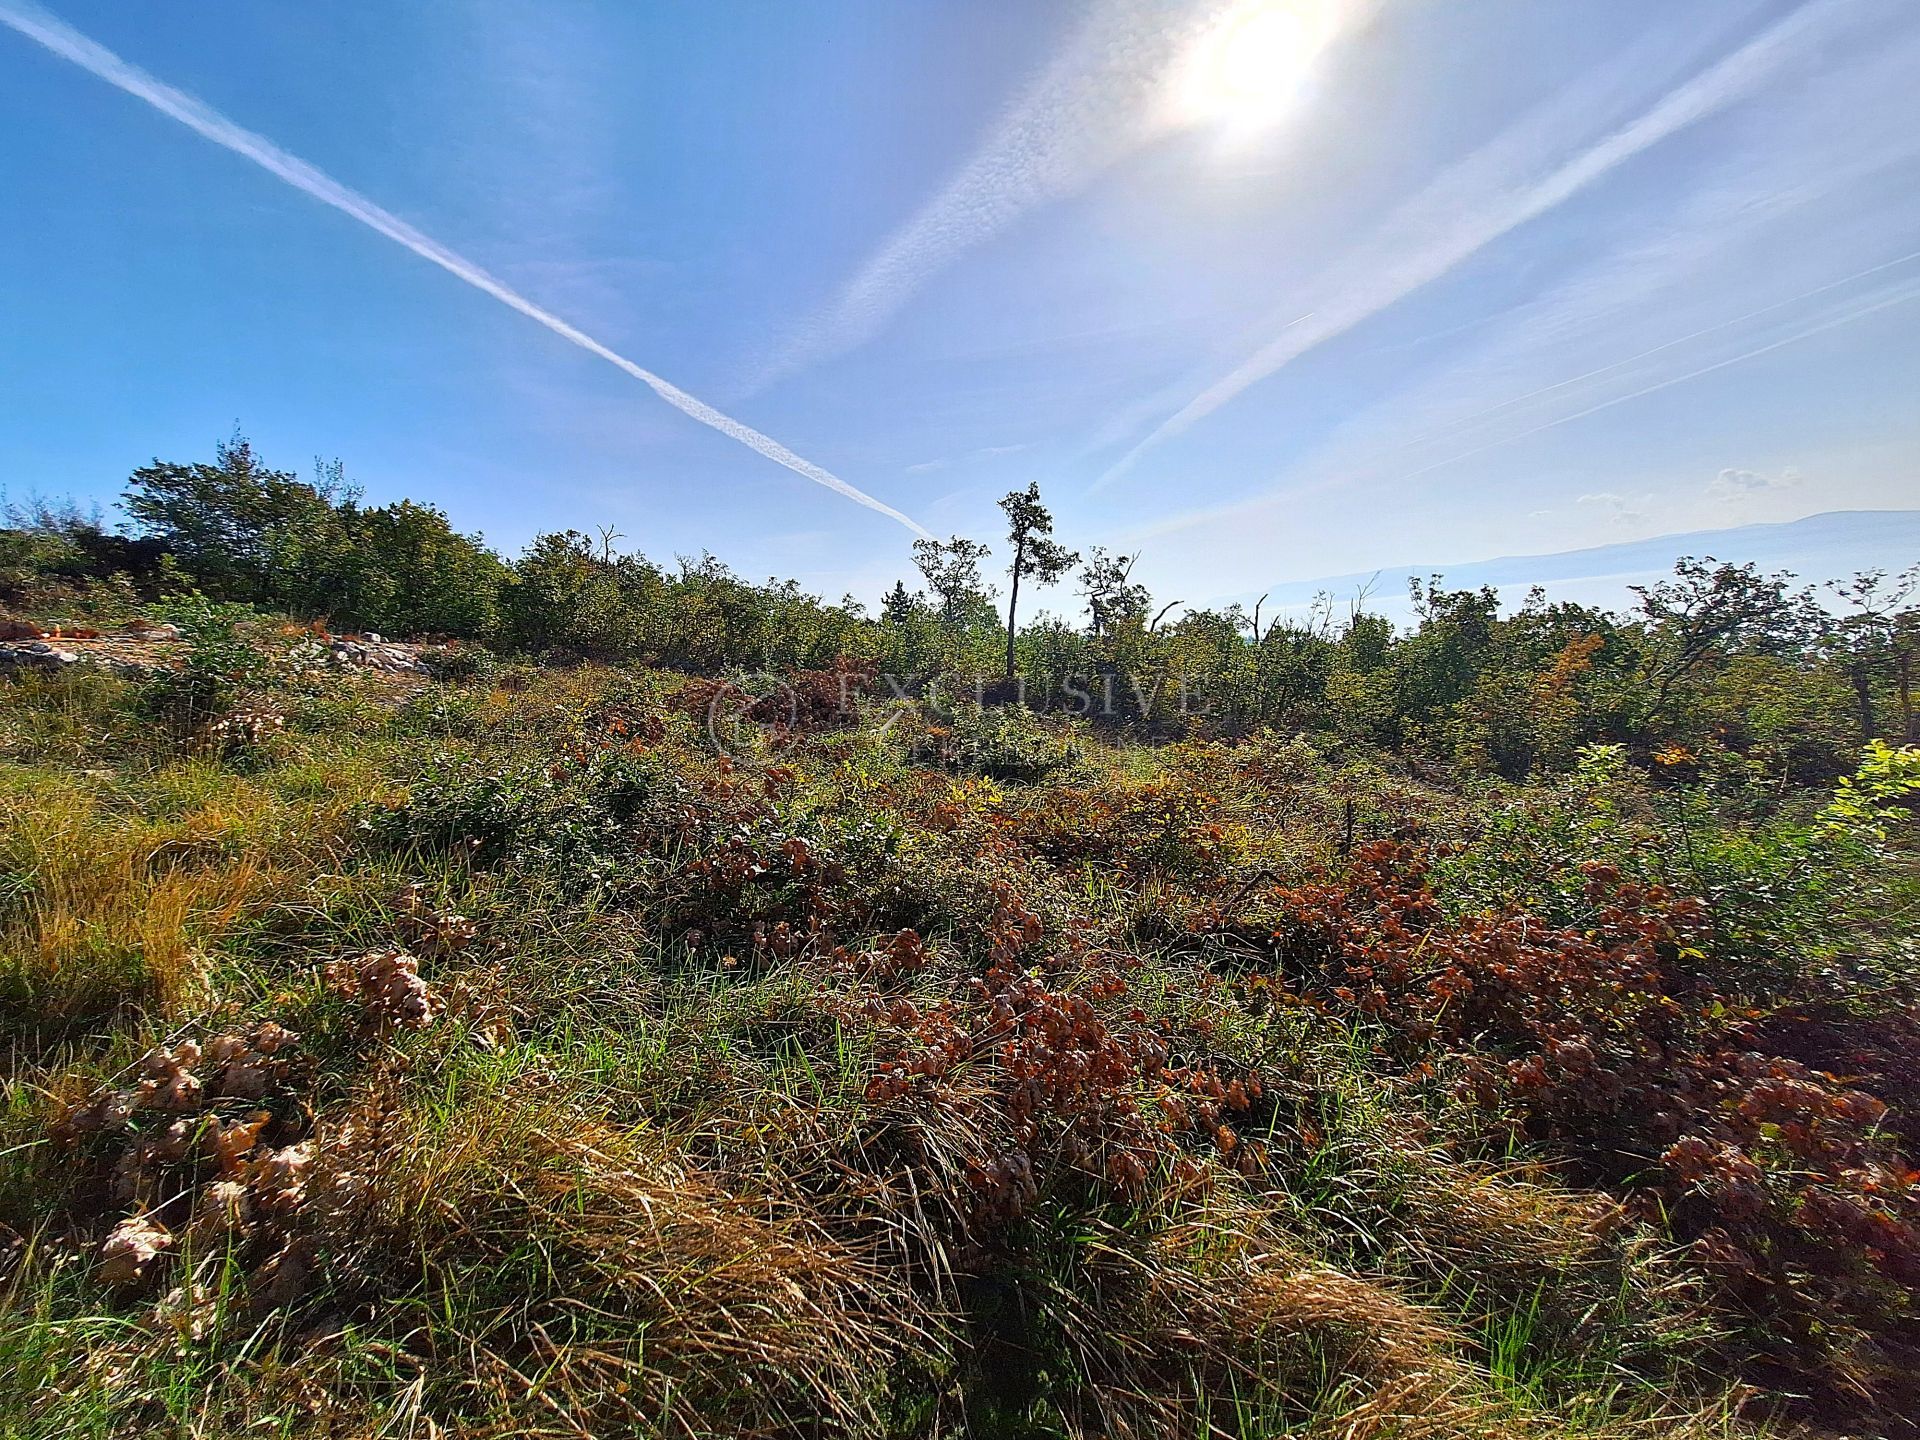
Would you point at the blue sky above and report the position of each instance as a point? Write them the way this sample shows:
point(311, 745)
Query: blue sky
point(1267, 289)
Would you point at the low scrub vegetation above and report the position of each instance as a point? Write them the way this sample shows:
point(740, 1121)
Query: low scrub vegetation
point(484, 1046)
point(504, 1059)
point(1740, 672)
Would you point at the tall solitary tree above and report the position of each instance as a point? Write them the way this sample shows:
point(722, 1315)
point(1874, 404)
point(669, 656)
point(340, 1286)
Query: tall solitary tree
point(1029, 526)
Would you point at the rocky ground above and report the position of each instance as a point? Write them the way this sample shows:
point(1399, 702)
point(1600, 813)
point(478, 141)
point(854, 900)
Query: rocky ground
point(140, 646)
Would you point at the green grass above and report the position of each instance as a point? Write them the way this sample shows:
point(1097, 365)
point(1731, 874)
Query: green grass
point(631, 1181)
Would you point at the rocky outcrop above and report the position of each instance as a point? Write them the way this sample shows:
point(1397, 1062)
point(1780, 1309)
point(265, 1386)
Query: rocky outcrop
point(370, 652)
point(18, 655)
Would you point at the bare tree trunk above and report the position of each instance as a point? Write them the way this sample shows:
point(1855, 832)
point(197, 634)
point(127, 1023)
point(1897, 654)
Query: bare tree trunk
point(1906, 695)
point(1013, 602)
point(1863, 698)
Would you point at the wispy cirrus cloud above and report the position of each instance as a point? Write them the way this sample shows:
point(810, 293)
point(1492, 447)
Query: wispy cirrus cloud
point(1832, 318)
point(1083, 112)
point(1823, 175)
point(985, 452)
point(1243, 516)
point(1549, 393)
point(1783, 229)
point(1105, 96)
point(1488, 196)
point(71, 45)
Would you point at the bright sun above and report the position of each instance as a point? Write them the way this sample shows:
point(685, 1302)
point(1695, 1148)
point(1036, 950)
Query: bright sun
point(1250, 69)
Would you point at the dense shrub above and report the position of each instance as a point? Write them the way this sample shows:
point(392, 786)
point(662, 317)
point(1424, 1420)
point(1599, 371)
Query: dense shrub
point(1051, 1089)
point(998, 742)
point(1720, 662)
point(223, 662)
point(568, 819)
point(1608, 1041)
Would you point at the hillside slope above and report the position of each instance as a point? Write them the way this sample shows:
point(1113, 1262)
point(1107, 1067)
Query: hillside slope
point(389, 1055)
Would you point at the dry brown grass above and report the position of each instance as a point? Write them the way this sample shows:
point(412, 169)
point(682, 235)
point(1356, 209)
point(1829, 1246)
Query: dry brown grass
point(588, 1273)
point(625, 1186)
point(119, 897)
point(1215, 1302)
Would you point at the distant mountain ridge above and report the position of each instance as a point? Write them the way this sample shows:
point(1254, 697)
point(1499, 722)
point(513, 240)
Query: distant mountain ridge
point(1828, 546)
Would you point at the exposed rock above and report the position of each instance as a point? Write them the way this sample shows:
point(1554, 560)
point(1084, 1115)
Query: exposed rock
point(370, 652)
point(34, 655)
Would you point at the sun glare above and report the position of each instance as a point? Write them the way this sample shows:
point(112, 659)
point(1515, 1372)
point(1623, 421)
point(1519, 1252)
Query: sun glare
point(1250, 70)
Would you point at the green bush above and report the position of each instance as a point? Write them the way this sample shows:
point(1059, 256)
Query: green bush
point(222, 662)
point(1005, 742)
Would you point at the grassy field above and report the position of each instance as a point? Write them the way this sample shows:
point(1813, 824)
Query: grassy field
point(391, 1056)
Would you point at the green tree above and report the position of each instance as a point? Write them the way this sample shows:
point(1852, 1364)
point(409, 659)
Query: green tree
point(1111, 596)
point(952, 568)
point(1035, 555)
point(1709, 610)
point(1875, 639)
point(572, 595)
point(243, 531)
point(414, 574)
point(899, 604)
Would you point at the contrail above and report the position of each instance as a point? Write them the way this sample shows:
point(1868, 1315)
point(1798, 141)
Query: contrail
point(1102, 99)
point(1087, 109)
point(69, 44)
point(1900, 297)
point(1241, 511)
point(1470, 421)
point(1393, 277)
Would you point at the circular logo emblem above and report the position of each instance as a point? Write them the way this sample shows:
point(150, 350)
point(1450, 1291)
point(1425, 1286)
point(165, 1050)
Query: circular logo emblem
point(741, 711)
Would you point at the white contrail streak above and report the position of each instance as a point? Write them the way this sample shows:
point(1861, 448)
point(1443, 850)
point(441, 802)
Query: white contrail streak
point(1900, 297)
point(1102, 99)
point(1090, 107)
point(69, 44)
point(1386, 278)
point(1243, 512)
point(1472, 420)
